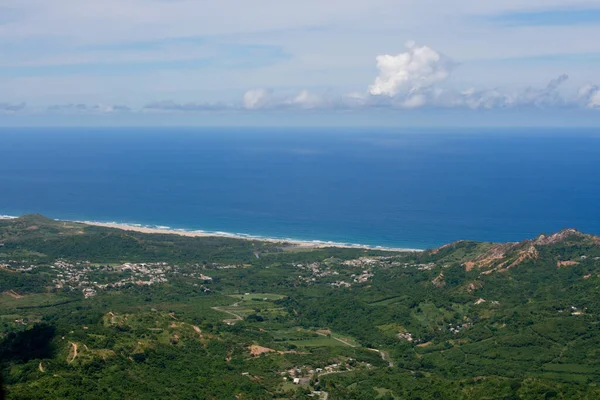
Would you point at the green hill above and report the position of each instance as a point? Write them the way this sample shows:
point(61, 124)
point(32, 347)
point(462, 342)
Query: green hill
point(96, 313)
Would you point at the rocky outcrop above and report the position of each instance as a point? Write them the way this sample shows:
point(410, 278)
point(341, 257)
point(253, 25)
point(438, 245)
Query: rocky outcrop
point(490, 258)
point(559, 237)
point(439, 281)
point(447, 246)
point(531, 253)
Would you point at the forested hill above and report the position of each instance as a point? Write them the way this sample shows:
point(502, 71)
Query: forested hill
point(36, 236)
point(97, 313)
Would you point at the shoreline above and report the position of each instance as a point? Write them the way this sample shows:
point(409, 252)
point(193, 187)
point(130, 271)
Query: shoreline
point(297, 243)
point(307, 244)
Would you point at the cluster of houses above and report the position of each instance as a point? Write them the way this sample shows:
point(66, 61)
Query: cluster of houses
point(362, 278)
point(229, 266)
point(297, 375)
point(421, 267)
point(456, 329)
point(340, 284)
point(76, 276)
point(20, 266)
point(198, 275)
point(303, 374)
point(362, 262)
point(89, 292)
point(385, 262)
point(576, 311)
point(318, 271)
point(84, 276)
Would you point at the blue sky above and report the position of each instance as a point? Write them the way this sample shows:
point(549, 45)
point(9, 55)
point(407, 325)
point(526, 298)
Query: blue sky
point(555, 17)
point(149, 60)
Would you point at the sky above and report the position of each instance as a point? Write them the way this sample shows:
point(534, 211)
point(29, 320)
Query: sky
point(309, 62)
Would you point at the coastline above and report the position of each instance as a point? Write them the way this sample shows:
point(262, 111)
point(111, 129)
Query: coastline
point(314, 244)
point(297, 243)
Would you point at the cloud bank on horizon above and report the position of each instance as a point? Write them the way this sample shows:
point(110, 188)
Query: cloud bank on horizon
point(151, 56)
point(413, 79)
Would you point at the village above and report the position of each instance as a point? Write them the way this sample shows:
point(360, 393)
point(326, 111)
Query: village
point(355, 271)
point(90, 278)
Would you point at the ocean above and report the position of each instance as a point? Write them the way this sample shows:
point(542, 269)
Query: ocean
point(394, 187)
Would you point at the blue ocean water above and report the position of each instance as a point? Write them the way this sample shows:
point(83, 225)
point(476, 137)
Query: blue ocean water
point(408, 188)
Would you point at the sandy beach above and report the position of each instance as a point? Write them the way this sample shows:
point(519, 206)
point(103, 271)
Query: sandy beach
point(294, 243)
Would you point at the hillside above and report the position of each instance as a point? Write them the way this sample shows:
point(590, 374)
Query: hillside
point(90, 312)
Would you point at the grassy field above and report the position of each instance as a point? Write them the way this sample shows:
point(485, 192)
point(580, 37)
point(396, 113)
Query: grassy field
point(346, 339)
point(318, 341)
point(571, 368)
point(8, 302)
point(254, 304)
point(258, 296)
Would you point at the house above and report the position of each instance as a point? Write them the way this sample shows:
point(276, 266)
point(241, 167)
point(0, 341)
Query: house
point(296, 381)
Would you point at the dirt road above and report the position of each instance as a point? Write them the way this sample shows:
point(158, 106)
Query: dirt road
point(338, 339)
point(237, 317)
point(74, 349)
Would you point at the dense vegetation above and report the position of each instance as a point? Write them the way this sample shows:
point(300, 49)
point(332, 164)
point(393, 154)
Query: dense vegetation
point(96, 313)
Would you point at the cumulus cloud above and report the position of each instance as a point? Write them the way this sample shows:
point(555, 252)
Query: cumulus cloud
point(414, 78)
point(546, 97)
point(266, 99)
point(409, 80)
point(543, 98)
point(257, 98)
point(306, 99)
point(589, 96)
point(431, 95)
point(8, 108)
point(477, 99)
point(413, 71)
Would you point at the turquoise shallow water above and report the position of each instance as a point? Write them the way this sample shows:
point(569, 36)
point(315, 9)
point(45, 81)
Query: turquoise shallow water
point(391, 187)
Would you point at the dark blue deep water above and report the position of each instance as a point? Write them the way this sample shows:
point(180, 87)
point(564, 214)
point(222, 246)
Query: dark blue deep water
point(411, 188)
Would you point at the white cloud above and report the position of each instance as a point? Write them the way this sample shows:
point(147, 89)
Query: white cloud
point(257, 98)
point(410, 72)
point(415, 101)
point(589, 96)
point(306, 99)
point(415, 78)
point(595, 100)
point(265, 99)
point(486, 99)
point(122, 40)
point(543, 98)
